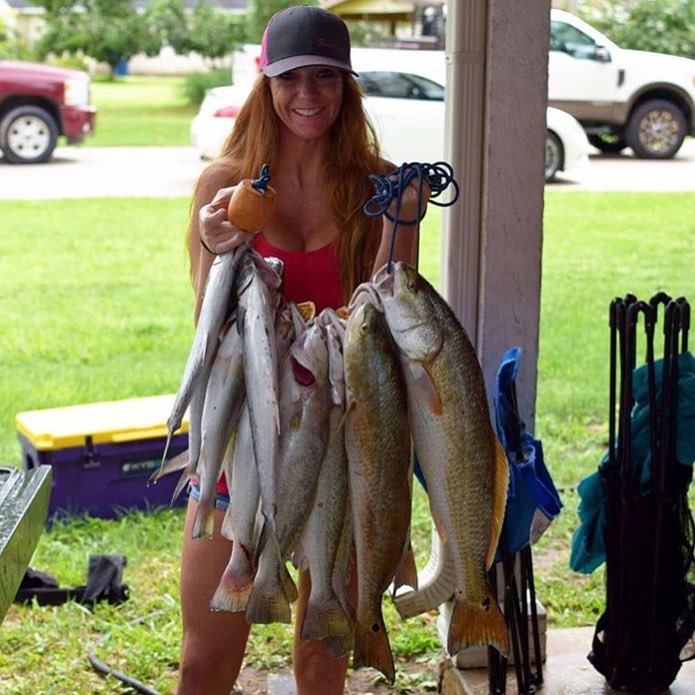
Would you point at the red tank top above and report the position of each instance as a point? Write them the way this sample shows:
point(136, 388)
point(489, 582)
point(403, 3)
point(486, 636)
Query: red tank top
point(308, 276)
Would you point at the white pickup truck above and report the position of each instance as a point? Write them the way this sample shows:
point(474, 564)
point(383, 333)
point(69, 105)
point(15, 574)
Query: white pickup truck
point(622, 98)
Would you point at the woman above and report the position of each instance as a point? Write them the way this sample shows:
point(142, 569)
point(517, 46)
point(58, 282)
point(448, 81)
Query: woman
point(303, 117)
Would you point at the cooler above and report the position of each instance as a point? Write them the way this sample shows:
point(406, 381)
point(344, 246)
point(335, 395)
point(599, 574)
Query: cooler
point(103, 454)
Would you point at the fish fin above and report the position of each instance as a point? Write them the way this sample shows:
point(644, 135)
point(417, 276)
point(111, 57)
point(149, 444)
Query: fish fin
point(372, 648)
point(234, 590)
point(171, 466)
point(499, 500)
point(185, 477)
point(325, 619)
point(425, 387)
point(439, 526)
point(299, 558)
point(268, 604)
point(475, 624)
point(406, 572)
point(349, 407)
point(289, 588)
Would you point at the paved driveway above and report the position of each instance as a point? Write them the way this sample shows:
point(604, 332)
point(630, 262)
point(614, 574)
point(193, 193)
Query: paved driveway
point(83, 172)
point(77, 172)
point(626, 173)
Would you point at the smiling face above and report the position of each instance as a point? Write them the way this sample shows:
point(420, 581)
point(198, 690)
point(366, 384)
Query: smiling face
point(308, 100)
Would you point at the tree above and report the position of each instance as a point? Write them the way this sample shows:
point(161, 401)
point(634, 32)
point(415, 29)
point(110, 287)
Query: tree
point(662, 26)
point(214, 34)
point(260, 11)
point(106, 30)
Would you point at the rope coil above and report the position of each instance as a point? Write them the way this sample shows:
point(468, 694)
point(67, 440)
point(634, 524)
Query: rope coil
point(439, 177)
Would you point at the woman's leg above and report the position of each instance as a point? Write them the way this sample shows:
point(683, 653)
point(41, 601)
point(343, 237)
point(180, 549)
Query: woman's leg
point(213, 642)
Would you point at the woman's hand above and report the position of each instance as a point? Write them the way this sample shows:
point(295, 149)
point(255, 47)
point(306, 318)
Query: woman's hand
point(217, 233)
point(408, 212)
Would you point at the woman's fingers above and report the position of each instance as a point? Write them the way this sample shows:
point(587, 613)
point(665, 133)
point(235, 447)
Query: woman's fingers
point(222, 197)
point(217, 233)
point(237, 239)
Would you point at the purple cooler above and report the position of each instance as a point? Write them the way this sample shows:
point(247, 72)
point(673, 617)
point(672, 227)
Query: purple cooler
point(103, 454)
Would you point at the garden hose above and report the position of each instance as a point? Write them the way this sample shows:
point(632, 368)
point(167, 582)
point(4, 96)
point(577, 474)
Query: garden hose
point(106, 670)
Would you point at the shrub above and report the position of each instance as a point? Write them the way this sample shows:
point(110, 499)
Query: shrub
point(75, 62)
point(197, 83)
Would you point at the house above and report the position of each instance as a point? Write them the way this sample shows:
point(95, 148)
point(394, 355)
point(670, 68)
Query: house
point(22, 19)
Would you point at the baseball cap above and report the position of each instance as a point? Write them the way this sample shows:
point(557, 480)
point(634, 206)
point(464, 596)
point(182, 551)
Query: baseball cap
point(300, 36)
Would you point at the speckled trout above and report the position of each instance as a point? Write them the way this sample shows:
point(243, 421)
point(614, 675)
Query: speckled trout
point(377, 442)
point(464, 465)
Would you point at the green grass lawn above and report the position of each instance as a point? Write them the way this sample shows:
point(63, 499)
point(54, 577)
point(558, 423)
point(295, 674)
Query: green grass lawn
point(97, 306)
point(141, 111)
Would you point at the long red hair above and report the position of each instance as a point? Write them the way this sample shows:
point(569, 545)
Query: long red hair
point(353, 156)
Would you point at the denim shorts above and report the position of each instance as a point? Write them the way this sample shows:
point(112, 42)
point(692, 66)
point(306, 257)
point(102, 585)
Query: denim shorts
point(221, 500)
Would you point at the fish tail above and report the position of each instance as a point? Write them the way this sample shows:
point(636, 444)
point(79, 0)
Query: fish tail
point(477, 623)
point(338, 647)
point(233, 591)
point(372, 648)
point(325, 618)
point(204, 522)
point(268, 604)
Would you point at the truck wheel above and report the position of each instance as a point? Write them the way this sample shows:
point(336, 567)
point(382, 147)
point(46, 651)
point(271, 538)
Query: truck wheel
point(28, 135)
point(609, 143)
point(656, 129)
point(553, 155)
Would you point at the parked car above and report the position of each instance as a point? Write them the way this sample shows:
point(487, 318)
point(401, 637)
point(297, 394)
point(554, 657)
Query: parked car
point(38, 104)
point(622, 98)
point(406, 105)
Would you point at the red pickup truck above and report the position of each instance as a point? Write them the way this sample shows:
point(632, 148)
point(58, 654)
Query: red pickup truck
point(39, 103)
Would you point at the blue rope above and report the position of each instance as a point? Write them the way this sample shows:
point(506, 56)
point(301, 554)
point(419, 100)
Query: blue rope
point(439, 175)
point(261, 183)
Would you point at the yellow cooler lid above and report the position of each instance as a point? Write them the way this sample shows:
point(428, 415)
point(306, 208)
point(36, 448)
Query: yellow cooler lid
point(107, 422)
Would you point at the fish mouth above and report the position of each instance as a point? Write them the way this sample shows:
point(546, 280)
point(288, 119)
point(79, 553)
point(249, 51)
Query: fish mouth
point(384, 280)
point(365, 293)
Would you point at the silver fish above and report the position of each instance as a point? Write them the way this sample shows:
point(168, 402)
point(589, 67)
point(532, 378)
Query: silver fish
point(305, 405)
point(215, 309)
point(256, 320)
point(224, 399)
point(242, 523)
point(325, 616)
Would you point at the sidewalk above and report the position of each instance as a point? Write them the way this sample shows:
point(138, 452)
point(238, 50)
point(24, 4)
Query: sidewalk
point(566, 671)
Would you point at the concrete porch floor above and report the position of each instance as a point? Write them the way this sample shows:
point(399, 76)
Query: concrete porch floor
point(566, 671)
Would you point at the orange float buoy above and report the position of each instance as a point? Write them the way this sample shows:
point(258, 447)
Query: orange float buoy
point(252, 202)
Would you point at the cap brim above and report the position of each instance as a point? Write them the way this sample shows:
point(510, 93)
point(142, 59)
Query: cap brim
point(294, 62)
